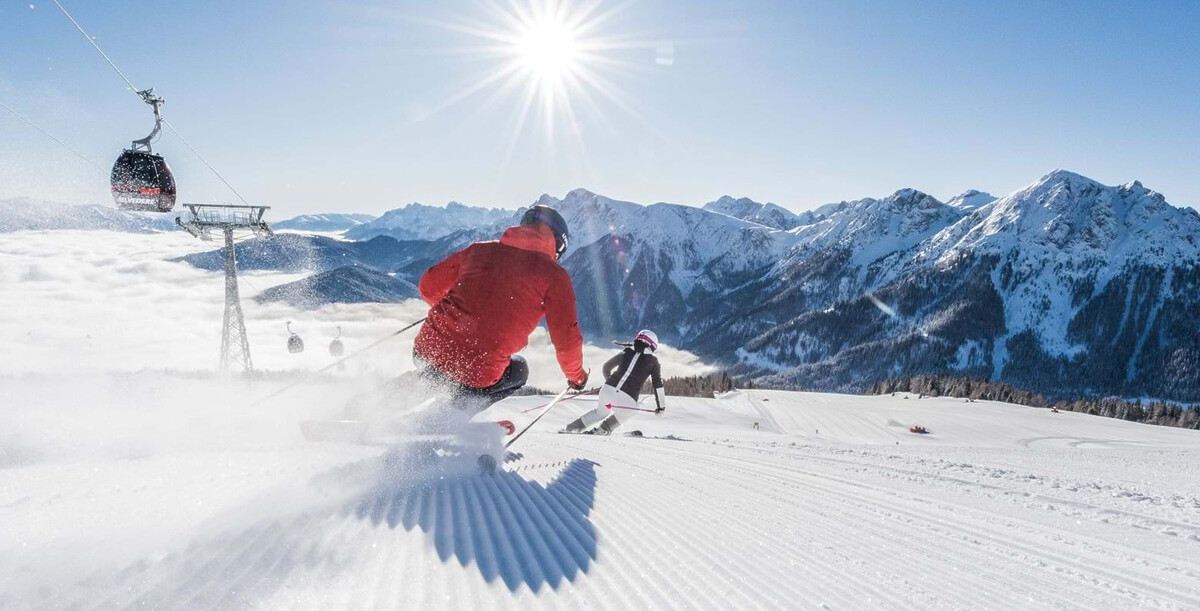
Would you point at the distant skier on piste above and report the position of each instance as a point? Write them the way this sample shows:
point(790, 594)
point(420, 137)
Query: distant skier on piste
point(624, 376)
point(486, 299)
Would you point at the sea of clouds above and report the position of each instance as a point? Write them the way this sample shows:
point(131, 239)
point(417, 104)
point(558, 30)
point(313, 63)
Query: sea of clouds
point(104, 322)
point(97, 301)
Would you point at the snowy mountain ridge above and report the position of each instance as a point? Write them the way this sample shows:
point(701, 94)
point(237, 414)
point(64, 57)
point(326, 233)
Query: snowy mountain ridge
point(327, 222)
point(875, 228)
point(970, 200)
point(418, 221)
point(1066, 214)
point(768, 214)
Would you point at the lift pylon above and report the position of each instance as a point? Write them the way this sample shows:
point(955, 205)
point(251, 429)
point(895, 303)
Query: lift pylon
point(229, 219)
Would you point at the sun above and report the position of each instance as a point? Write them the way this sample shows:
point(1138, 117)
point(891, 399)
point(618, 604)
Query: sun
point(548, 48)
point(553, 58)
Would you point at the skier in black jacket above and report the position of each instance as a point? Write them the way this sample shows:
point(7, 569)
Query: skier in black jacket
point(624, 376)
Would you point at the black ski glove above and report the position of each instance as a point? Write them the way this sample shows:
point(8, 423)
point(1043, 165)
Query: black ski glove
point(579, 385)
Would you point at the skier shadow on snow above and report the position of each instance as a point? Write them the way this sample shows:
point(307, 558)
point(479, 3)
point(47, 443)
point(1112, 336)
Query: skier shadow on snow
point(510, 528)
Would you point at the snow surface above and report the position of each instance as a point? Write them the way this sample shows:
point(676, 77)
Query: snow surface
point(130, 491)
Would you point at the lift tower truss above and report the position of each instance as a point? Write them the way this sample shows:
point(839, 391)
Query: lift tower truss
point(229, 220)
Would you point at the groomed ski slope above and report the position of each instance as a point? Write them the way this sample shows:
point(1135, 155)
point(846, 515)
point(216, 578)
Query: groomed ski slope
point(832, 503)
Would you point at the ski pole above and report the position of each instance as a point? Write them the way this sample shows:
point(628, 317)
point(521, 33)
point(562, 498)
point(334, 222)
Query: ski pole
point(545, 409)
point(636, 409)
point(338, 362)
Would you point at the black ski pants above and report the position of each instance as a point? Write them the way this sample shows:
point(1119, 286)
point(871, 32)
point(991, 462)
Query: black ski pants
point(477, 399)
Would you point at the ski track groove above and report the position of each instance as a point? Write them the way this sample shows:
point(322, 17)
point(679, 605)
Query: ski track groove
point(236, 566)
point(983, 592)
point(630, 590)
point(568, 555)
point(573, 495)
point(1132, 586)
point(764, 586)
point(639, 580)
point(1095, 544)
point(1000, 571)
point(780, 591)
point(874, 505)
point(206, 572)
point(997, 487)
point(386, 575)
point(625, 534)
point(544, 549)
point(823, 593)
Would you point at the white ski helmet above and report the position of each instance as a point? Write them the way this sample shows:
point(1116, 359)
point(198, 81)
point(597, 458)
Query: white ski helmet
point(648, 337)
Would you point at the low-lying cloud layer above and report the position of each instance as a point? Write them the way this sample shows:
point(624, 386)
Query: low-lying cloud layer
point(91, 301)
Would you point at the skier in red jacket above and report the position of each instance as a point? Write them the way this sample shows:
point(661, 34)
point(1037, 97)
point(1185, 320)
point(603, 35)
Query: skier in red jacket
point(486, 299)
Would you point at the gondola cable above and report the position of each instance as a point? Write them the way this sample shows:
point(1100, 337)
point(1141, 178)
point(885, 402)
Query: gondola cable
point(50, 136)
point(148, 97)
point(91, 40)
point(204, 161)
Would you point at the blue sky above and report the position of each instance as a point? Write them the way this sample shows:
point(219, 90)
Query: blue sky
point(320, 106)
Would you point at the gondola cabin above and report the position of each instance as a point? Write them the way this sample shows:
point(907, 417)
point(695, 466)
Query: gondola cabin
point(295, 344)
point(143, 182)
point(336, 347)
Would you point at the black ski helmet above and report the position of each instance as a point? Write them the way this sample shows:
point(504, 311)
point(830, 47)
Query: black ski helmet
point(552, 219)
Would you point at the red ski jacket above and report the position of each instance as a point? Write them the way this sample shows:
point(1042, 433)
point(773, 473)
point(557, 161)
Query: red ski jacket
point(488, 297)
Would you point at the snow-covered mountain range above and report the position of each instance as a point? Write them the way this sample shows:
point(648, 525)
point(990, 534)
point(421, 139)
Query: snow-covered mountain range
point(1066, 286)
point(329, 222)
point(420, 222)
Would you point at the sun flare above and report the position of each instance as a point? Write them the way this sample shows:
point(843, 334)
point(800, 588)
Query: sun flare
point(553, 59)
